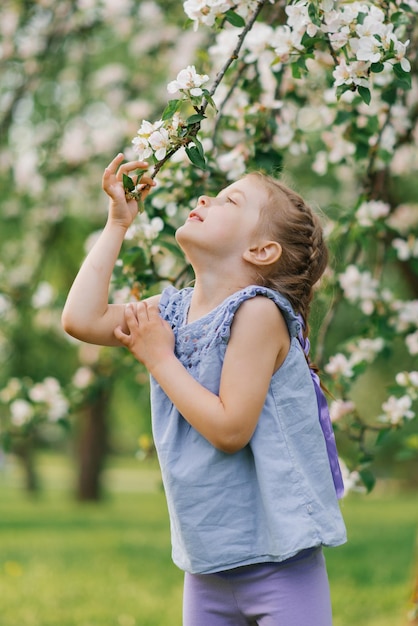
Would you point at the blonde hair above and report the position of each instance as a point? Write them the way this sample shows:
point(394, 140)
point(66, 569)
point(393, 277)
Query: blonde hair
point(288, 220)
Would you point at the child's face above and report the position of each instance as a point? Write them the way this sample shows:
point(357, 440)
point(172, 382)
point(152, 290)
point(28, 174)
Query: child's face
point(224, 225)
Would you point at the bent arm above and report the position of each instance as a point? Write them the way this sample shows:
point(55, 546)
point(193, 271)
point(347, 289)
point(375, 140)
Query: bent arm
point(87, 315)
point(258, 345)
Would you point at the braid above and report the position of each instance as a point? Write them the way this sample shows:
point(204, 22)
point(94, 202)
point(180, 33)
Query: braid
point(287, 219)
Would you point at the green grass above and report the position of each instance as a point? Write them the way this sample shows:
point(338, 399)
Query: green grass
point(69, 564)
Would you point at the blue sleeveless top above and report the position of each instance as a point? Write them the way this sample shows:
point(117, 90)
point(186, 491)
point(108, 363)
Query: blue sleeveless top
point(271, 499)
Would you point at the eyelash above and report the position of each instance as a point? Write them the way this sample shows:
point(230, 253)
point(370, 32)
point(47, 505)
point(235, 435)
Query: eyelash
point(230, 200)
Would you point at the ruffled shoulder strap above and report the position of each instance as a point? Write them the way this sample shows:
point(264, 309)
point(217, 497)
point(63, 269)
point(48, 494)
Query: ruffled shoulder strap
point(232, 304)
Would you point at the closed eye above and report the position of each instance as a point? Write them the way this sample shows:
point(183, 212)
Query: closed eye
point(229, 199)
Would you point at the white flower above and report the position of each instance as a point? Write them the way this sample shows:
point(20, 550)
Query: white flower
point(367, 49)
point(407, 314)
point(339, 365)
point(339, 408)
point(142, 148)
point(351, 480)
point(412, 343)
point(369, 212)
point(43, 295)
point(406, 249)
point(396, 409)
point(21, 412)
point(355, 73)
point(83, 377)
point(160, 142)
point(365, 350)
point(49, 392)
point(359, 286)
point(188, 80)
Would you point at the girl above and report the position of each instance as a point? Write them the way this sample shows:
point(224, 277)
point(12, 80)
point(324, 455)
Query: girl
point(246, 448)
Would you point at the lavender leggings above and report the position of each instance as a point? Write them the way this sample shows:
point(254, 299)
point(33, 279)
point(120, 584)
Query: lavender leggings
point(269, 594)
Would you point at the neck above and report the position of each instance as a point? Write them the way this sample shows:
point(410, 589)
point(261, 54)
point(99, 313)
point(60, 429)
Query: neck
point(211, 288)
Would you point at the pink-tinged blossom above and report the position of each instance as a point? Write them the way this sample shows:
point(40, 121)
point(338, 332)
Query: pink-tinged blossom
point(397, 409)
point(339, 365)
point(83, 377)
point(49, 392)
point(340, 408)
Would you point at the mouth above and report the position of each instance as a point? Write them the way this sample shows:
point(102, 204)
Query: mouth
point(194, 217)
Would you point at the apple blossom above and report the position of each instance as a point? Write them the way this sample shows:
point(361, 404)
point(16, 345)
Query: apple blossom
point(188, 80)
point(340, 408)
point(21, 411)
point(406, 248)
point(339, 365)
point(359, 287)
point(369, 212)
point(397, 409)
point(412, 343)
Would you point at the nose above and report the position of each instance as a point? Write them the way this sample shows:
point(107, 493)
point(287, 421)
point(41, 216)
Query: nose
point(203, 201)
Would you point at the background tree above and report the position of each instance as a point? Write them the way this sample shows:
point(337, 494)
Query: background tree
point(324, 92)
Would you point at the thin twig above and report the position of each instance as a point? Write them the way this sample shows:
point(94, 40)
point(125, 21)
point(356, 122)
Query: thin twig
point(218, 79)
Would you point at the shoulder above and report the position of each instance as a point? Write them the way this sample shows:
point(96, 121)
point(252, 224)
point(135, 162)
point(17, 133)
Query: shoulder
point(260, 316)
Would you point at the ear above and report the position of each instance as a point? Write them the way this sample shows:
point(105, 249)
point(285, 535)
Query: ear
point(265, 253)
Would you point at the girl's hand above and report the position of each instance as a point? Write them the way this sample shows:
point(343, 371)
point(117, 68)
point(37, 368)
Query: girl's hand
point(150, 338)
point(121, 210)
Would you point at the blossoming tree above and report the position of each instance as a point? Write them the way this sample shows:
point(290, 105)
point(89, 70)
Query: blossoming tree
point(325, 91)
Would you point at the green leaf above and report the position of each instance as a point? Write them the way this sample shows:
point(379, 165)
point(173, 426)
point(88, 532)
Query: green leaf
point(197, 117)
point(365, 94)
point(399, 72)
point(377, 67)
point(128, 183)
point(382, 435)
point(136, 258)
point(209, 99)
point(268, 160)
point(199, 146)
point(195, 157)
point(404, 78)
point(235, 19)
point(342, 89)
point(368, 479)
point(313, 14)
point(171, 108)
point(296, 73)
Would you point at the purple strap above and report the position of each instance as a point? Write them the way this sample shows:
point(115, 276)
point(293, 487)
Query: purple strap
point(324, 418)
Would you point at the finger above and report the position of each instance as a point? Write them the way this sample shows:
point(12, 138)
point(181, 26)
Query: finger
point(121, 336)
point(125, 168)
point(131, 318)
point(142, 312)
point(113, 166)
point(153, 312)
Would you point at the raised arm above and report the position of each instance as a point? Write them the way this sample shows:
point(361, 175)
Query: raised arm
point(258, 345)
point(87, 315)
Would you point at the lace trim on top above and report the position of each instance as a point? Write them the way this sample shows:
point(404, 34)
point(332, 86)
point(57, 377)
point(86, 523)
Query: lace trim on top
point(195, 338)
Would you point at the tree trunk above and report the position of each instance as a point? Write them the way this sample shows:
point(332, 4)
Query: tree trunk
point(92, 446)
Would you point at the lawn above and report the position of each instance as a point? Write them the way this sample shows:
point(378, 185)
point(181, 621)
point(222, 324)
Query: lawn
point(68, 564)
